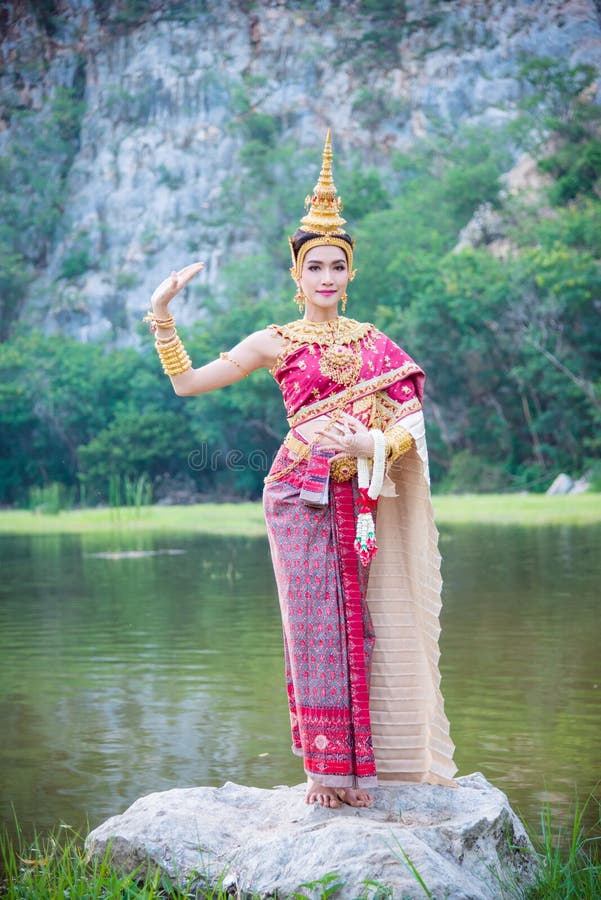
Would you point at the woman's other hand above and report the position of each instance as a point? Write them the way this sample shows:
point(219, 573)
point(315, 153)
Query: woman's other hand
point(172, 285)
point(348, 437)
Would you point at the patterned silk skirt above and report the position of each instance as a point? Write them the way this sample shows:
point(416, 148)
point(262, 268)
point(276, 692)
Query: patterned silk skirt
point(328, 634)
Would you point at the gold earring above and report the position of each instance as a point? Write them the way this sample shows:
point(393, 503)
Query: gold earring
point(299, 299)
point(343, 300)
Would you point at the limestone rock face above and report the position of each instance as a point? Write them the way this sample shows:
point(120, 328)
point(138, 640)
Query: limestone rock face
point(171, 104)
point(263, 841)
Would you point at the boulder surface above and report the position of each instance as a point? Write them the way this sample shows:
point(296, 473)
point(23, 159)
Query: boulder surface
point(458, 842)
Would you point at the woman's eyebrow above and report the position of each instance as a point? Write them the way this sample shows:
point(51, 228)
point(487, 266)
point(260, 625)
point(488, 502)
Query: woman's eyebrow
point(320, 261)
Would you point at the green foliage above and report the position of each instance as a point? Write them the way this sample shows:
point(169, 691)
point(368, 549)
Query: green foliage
point(50, 498)
point(365, 191)
point(124, 281)
point(56, 396)
point(323, 888)
point(552, 94)
point(46, 14)
point(172, 180)
point(384, 29)
point(75, 262)
point(399, 247)
point(576, 167)
point(135, 442)
point(561, 125)
point(472, 474)
point(510, 343)
point(373, 105)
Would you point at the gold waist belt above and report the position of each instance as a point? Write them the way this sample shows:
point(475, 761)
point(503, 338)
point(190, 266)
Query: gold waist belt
point(341, 469)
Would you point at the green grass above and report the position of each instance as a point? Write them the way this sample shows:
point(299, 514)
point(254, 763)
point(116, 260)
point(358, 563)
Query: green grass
point(569, 868)
point(57, 866)
point(569, 860)
point(213, 518)
point(247, 518)
point(517, 509)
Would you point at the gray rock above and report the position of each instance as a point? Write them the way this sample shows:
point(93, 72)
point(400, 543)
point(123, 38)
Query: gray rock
point(461, 841)
point(580, 486)
point(485, 226)
point(563, 484)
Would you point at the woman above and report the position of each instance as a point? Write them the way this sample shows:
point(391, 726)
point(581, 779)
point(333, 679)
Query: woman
point(360, 636)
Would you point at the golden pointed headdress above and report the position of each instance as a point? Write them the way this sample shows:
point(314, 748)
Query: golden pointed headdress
point(324, 213)
point(323, 217)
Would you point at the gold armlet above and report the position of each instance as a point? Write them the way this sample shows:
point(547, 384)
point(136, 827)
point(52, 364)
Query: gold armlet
point(173, 356)
point(230, 359)
point(397, 441)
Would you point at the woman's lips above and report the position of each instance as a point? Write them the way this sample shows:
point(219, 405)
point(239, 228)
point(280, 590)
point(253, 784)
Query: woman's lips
point(327, 293)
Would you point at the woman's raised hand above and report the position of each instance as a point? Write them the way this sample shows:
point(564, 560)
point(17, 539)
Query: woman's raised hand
point(172, 285)
point(349, 437)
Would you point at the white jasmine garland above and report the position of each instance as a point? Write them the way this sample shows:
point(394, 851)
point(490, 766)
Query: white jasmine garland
point(365, 534)
point(379, 464)
point(363, 471)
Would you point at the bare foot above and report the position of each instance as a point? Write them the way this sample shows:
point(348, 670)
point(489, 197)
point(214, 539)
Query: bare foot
point(355, 797)
point(323, 796)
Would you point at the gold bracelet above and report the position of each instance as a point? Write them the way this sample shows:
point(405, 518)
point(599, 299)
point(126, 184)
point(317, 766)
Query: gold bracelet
point(173, 356)
point(229, 359)
point(167, 341)
point(397, 441)
point(156, 323)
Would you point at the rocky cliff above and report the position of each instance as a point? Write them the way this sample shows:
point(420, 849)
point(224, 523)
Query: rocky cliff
point(178, 102)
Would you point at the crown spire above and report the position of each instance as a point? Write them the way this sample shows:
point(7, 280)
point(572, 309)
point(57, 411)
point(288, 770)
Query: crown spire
point(325, 207)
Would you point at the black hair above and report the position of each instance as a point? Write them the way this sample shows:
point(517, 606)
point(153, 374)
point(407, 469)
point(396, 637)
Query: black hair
point(301, 237)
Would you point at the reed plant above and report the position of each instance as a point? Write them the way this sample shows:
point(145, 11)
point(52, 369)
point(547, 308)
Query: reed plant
point(569, 859)
point(50, 499)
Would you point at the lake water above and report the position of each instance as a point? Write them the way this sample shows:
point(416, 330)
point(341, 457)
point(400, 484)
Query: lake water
point(125, 675)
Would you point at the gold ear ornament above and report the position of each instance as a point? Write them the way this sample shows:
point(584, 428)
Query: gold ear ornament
point(299, 298)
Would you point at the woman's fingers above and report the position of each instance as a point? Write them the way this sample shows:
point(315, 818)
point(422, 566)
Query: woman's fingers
point(188, 272)
point(172, 285)
point(353, 423)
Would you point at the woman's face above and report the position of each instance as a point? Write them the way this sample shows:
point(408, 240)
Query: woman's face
point(324, 276)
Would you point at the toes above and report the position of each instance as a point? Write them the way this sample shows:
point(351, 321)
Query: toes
point(355, 798)
point(326, 800)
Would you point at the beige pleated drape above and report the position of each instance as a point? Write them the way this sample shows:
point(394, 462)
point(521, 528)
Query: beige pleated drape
point(409, 726)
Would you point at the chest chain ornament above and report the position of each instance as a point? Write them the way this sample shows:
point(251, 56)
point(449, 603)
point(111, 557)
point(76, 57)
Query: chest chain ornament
point(340, 362)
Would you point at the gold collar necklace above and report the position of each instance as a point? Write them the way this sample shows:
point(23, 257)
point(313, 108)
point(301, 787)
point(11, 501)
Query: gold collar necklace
point(325, 334)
